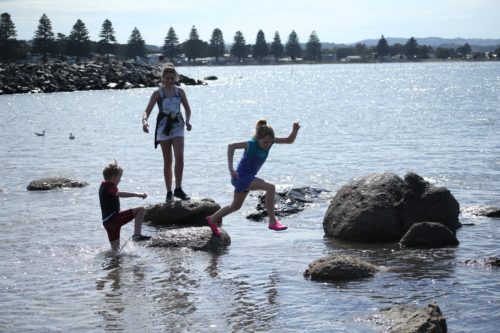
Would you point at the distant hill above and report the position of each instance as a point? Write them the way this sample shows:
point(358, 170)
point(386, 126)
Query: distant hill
point(437, 41)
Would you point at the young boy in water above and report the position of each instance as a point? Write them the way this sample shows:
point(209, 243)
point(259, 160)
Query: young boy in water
point(112, 218)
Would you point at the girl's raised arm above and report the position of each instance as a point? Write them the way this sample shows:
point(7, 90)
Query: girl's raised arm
point(291, 137)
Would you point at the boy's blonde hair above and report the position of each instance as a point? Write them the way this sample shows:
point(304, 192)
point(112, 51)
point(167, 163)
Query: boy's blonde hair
point(112, 169)
point(262, 130)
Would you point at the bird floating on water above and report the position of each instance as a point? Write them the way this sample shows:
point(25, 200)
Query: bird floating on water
point(71, 136)
point(40, 134)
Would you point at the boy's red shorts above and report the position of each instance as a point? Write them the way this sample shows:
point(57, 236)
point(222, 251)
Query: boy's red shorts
point(114, 225)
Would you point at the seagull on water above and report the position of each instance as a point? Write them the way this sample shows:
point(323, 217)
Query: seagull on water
point(40, 134)
point(71, 136)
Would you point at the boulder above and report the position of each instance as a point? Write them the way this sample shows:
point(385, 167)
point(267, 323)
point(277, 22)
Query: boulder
point(488, 211)
point(287, 203)
point(429, 235)
point(193, 238)
point(337, 267)
point(381, 207)
point(181, 213)
point(51, 183)
point(409, 318)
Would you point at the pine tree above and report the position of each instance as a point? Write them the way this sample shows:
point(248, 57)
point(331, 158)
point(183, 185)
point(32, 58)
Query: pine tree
point(293, 48)
point(171, 47)
point(107, 44)
point(383, 48)
point(239, 48)
point(277, 49)
point(136, 46)
point(313, 47)
point(79, 41)
point(8, 42)
point(260, 49)
point(411, 48)
point(43, 40)
point(193, 47)
point(217, 46)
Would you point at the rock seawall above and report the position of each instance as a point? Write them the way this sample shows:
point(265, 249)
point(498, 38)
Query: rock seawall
point(60, 76)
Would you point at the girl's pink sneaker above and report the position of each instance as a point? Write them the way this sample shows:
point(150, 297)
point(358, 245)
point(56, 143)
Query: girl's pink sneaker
point(277, 226)
point(213, 226)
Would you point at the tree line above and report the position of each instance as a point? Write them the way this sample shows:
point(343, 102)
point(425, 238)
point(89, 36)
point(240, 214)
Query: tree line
point(78, 44)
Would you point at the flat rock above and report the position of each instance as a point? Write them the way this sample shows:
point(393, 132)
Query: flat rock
point(488, 211)
point(338, 267)
point(51, 183)
point(409, 318)
point(488, 262)
point(193, 238)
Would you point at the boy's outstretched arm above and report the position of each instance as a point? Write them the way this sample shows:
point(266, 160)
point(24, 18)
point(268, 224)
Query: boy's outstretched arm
point(122, 194)
point(291, 137)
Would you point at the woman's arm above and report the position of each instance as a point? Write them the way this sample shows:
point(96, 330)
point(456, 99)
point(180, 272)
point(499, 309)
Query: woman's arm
point(291, 137)
point(187, 109)
point(147, 112)
point(230, 155)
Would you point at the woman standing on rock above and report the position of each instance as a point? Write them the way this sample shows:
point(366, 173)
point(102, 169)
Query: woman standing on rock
point(169, 129)
point(244, 178)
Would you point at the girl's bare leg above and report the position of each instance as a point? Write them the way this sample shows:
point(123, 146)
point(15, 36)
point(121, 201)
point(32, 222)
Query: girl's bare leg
point(166, 148)
point(238, 199)
point(178, 145)
point(259, 184)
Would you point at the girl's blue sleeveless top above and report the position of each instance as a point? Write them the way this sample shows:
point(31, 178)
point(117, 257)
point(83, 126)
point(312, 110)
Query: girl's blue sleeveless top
point(250, 163)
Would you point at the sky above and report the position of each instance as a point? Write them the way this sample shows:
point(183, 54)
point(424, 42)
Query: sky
point(334, 21)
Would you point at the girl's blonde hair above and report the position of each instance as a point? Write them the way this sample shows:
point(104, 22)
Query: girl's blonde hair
point(169, 69)
point(262, 130)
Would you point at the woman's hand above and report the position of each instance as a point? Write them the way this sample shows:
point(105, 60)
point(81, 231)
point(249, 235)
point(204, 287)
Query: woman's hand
point(145, 127)
point(188, 126)
point(296, 126)
point(234, 174)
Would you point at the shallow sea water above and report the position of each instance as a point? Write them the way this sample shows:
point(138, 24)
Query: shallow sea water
point(440, 120)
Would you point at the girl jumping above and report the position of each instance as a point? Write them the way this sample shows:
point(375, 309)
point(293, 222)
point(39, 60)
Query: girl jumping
point(244, 178)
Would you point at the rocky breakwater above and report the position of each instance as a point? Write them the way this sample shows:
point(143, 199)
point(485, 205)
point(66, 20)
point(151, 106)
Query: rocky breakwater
point(60, 76)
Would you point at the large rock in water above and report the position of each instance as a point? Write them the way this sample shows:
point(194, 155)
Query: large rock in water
point(51, 183)
point(382, 207)
point(181, 213)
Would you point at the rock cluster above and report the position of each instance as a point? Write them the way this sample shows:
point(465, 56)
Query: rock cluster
point(383, 207)
point(288, 202)
point(60, 76)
